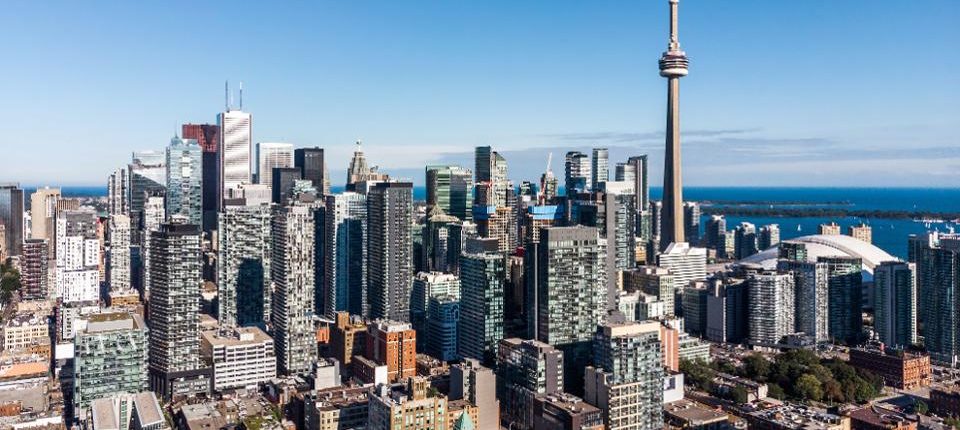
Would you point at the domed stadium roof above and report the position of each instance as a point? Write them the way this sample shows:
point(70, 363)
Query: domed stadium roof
point(828, 245)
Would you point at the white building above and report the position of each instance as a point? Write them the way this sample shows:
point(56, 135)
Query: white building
point(25, 330)
point(236, 131)
point(119, 273)
point(687, 263)
point(771, 307)
point(269, 156)
point(242, 358)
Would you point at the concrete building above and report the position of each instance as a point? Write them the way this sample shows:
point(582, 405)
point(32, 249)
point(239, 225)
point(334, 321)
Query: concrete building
point(796, 417)
point(478, 385)
point(26, 331)
point(119, 253)
point(845, 297)
point(768, 237)
point(390, 250)
point(271, 155)
point(627, 380)
point(829, 229)
point(481, 304)
point(174, 306)
point(862, 232)
point(687, 263)
point(564, 411)
point(771, 307)
point(393, 344)
point(185, 180)
point(347, 338)
point(811, 283)
point(43, 208)
point(656, 281)
point(745, 240)
point(409, 407)
point(577, 175)
point(126, 411)
point(292, 273)
point(425, 286)
point(110, 357)
point(35, 270)
point(895, 303)
point(336, 409)
point(241, 357)
point(244, 252)
point(77, 255)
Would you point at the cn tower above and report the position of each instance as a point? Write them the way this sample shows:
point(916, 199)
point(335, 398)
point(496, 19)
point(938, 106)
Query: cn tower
point(673, 66)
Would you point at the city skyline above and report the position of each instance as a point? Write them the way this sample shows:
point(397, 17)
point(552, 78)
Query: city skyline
point(468, 75)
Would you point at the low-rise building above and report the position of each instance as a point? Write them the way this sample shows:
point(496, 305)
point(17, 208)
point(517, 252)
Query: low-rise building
point(565, 411)
point(692, 415)
point(874, 417)
point(796, 417)
point(140, 411)
point(242, 357)
point(336, 408)
point(899, 369)
point(725, 383)
point(407, 407)
point(945, 400)
point(24, 331)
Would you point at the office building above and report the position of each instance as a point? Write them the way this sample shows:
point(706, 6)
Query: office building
point(600, 166)
point(34, 270)
point(477, 384)
point(694, 307)
point(564, 411)
point(831, 228)
point(148, 177)
point(451, 189)
point(568, 277)
point(119, 253)
point(292, 274)
point(393, 344)
point(577, 174)
point(845, 290)
point(234, 149)
point(768, 237)
point(496, 222)
point(313, 167)
point(174, 306)
point(26, 331)
point(442, 328)
point(347, 338)
point(626, 381)
point(208, 137)
point(491, 168)
point(282, 183)
point(11, 218)
point(244, 250)
point(390, 250)
point(407, 407)
point(110, 357)
point(271, 155)
point(715, 235)
point(745, 240)
point(184, 195)
point(241, 357)
point(43, 208)
point(425, 286)
point(771, 307)
point(685, 262)
point(811, 285)
point(895, 304)
point(482, 277)
point(727, 311)
point(526, 369)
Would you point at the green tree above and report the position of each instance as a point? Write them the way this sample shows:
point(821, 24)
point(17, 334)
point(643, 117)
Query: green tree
point(9, 281)
point(776, 392)
point(757, 367)
point(808, 387)
point(921, 407)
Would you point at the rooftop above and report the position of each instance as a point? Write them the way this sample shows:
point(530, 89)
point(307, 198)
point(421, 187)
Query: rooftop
point(828, 245)
point(693, 413)
point(798, 417)
point(239, 336)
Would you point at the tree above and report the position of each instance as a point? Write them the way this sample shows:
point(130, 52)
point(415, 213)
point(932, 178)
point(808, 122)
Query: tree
point(756, 367)
point(808, 388)
point(9, 281)
point(776, 392)
point(921, 407)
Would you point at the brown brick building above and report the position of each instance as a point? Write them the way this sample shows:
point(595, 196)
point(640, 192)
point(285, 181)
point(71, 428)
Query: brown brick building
point(393, 344)
point(900, 369)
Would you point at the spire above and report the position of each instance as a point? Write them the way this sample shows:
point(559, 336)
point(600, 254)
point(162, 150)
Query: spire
point(241, 96)
point(674, 37)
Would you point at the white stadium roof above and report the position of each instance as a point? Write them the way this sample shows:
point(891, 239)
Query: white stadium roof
point(824, 245)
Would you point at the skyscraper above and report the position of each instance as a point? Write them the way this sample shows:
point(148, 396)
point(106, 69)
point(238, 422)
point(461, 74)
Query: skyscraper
point(845, 296)
point(673, 66)
point(451, 189)
point(745, 240)
point(11, 217)
point(576, 171)
point(236, 144)
point(77, 255)
point(691, 222)
point(771, 307)
point(119, 256)
point(390, 250)
point(271, 155)
point(292, 273)
point(117, 189)
point(526, 369)
point(811, 299)
point(568, 280)
point(284, 179)
point(626, 380)
point(687, 263)
point(715, 235)
point(895, 304)
point(185, 180)
point(34, 269)
point(110, 357)
point(600, 166)
point(148, 177)
point(862, 232)
point(425, 286)
point(938, 268)
point(208, 137)
point(769, 237)
point(244, 252)
point(482, 276)
point(313, 167)
point(345, 254)
point(174, 266)
point(443, 321)
point(491, 169)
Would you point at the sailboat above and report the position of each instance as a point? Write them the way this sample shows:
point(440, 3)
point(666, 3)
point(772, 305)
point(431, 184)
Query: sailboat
point(798, 227)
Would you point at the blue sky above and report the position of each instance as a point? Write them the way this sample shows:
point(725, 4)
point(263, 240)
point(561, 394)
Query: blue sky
point(813, 92)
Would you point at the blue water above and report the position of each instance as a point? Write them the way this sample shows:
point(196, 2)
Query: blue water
point(890, 235)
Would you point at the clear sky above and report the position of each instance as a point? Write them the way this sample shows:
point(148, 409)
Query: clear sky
point(811, 92)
